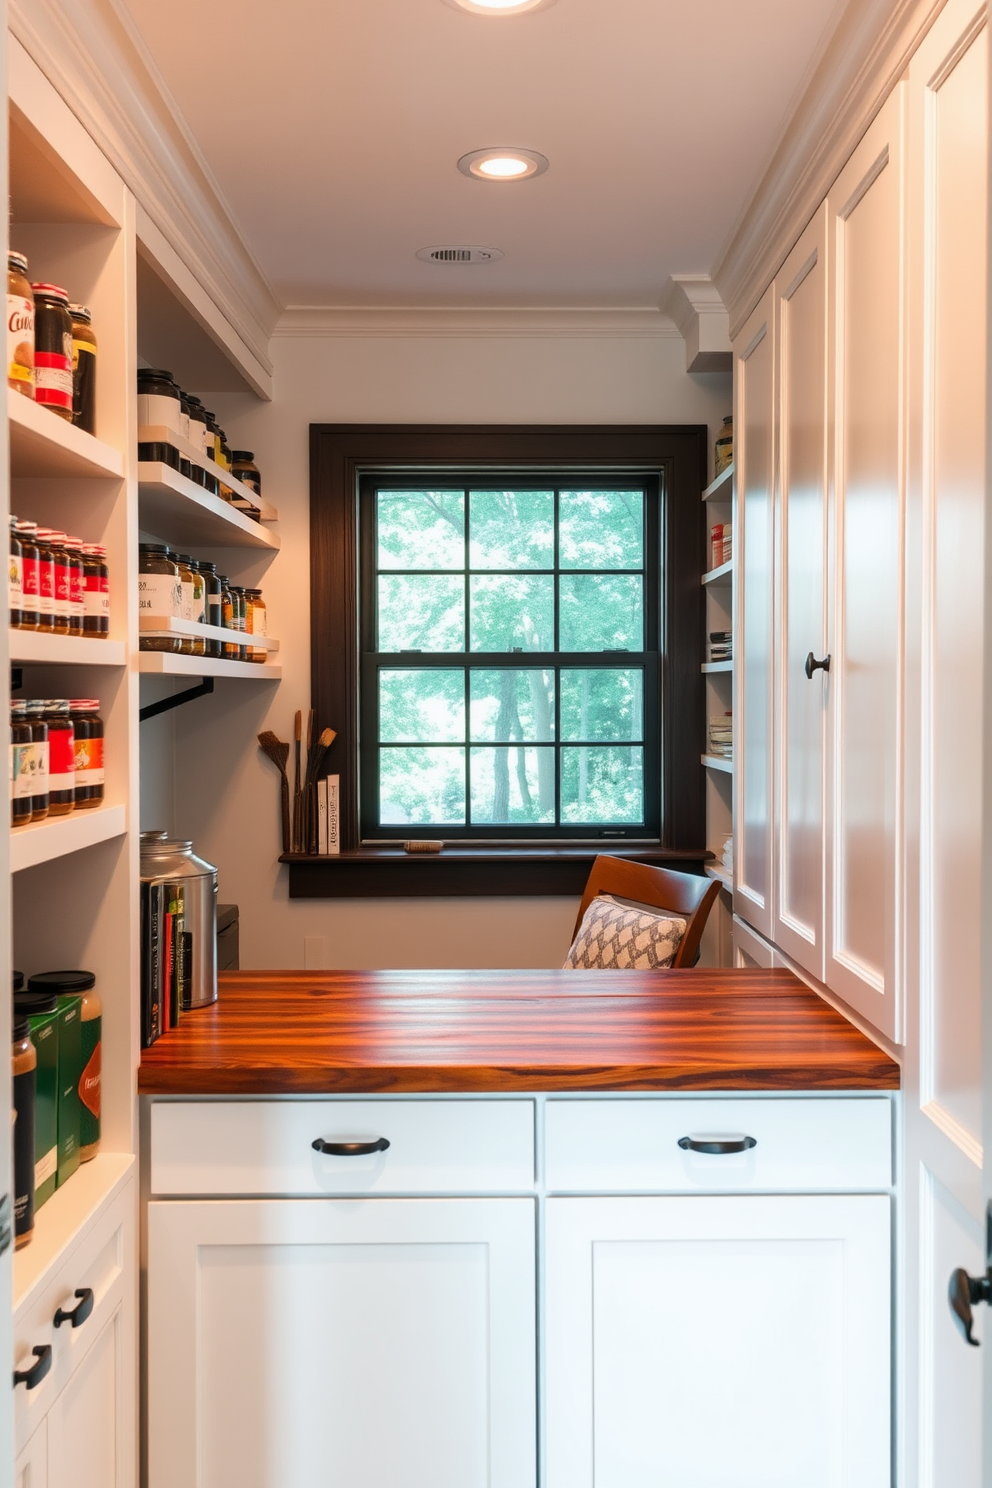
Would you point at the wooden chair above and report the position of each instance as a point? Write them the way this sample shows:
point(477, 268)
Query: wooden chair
point(686, 895)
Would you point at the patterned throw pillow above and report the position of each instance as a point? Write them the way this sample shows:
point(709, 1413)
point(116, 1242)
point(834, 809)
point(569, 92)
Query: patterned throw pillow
point(618, 937)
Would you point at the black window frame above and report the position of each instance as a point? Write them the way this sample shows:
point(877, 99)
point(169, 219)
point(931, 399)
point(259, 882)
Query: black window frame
point(339, 455)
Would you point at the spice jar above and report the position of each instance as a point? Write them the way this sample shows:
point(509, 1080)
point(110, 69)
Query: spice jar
point(199, 606)
point(259, 624)
point(26, 536)
point(83, 369)
point(241, 601)
point(55, 542)
point(244, 469)
point(213, 610)
point(61, 757)
point(87, 752)
point(96, 590)
point(15, 575)
point(46, 579)
point(724, 450)
point(159, 592)
point(186, 602)
point(20, 326)
point(159, 403)
point(53, 349)
point(197, 423)
point(21, 754)
point(39, 759)
point(24, 1071)
point(81, 984)
point(74, 550)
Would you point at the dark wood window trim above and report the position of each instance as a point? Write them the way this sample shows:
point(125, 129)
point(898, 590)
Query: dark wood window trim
point(339, 453)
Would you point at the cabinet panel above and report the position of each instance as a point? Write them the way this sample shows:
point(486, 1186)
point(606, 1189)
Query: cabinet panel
point(338, 1343)
point(755, 537)
point(865, 213)
point(31, 1467)
point(722, 1343)
point(88, 1444)
point(800, 291)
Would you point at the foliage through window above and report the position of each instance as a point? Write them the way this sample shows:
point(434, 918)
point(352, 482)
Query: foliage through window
point(509, 637)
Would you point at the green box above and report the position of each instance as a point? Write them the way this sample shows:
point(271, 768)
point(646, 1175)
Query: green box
point(45, 1037)
point(70, 1070)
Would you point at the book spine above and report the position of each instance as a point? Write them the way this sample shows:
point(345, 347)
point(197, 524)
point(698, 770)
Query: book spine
point(322, 816)
point(156, 906)
point(333, 784)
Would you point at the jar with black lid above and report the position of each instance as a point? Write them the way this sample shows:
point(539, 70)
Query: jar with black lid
point(159, 592)
point(184, 414)
point(159, 404)
point(61, 757)
point(96, 590)
point(259, 624)
point(27, 535)
point(15, 576)
point(81, 984)
point(241, 595)
point(35, 708)
point(60, 578)
point(25, 1074)
point(74, 549)
point(197, 422)
point(83, 369)
point(87, 751)
point(244, 469)
point(213, 611)
point(53, 349)
point(230, 612)
point(21, 757)
point(199, 605)
point(20, 326)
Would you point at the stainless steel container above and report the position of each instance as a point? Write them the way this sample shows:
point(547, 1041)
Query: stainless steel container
point(170, 861)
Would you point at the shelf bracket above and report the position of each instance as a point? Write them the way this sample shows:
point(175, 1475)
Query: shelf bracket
point(165, 705)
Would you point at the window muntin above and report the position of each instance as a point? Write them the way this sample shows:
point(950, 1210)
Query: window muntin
point(510, 658)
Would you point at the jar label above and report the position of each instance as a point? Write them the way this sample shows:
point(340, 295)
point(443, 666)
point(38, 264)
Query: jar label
point(46, 586)
point(45, 1167)
point(21, 772)
point(39, 768)
point(61, 759)
point(53, 385)
point(20, 340)
point(259, 621)
point(187, 600)
point(63, 592)
point(159, 412)
point(76, 588)
point(160, 594)
point(90, 1082)
point(29, 579)
point(96, 601)
point(88, 762)
point(15, 581)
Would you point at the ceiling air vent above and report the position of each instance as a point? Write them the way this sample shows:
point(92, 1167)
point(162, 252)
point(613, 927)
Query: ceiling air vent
point(451, 254)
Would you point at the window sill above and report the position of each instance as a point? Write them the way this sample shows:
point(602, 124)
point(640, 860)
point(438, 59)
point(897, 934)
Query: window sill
point(466, 872)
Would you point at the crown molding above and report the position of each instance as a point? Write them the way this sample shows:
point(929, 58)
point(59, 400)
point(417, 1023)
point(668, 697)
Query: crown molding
point(855, 68)
point(321, 321)
point(94, 57)
point(694, 304)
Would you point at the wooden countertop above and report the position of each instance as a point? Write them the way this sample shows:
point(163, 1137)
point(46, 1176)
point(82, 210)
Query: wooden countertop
point(309, 1033)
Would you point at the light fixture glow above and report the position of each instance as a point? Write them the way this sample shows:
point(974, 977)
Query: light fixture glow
point(499, 7)
point(503, 163)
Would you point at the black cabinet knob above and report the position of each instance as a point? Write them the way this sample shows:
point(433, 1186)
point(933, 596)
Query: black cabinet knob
point(963, 1293)
point(350, 1149)
point(78, 1314)
point(34, 1376)
point(812, 665)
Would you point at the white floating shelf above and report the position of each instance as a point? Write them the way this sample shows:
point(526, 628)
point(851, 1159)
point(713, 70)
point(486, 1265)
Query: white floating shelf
point(39, 645)
point(42, 444)
point(716, 666)
point(61, 1221)
point(160, 434)
point(173, 664)
point(177, 510)
point(722, 488)
point(717, 870)
point(722, 575)
point(169, 625)
point(717, 762)
point(57, 836)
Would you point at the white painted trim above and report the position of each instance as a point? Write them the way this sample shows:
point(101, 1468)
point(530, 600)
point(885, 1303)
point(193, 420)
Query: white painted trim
point(93, 55)
point(855, 68)
point(304, 321)
point(694, 303)
point(952, 1128)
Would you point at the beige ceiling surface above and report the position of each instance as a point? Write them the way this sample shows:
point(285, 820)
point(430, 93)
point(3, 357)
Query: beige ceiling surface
point(334, 128)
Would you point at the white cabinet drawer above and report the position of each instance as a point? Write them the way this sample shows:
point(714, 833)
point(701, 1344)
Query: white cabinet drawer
point(266, 1147)
point(631, 1146)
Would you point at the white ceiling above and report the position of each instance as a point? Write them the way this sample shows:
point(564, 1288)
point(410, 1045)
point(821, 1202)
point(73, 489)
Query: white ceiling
point(333, 130)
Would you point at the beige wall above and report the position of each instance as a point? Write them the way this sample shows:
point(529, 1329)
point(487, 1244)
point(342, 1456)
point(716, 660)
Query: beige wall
point(226, 793)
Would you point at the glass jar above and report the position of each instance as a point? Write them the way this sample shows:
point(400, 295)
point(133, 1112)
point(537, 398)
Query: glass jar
point(159, 592)
point(186, 580)
point(74, 549)
point(83, 369)
point(96, 590)
point(20, 326)
point(184, 414)
point(724, 450)
point(53, 349)
point(35, 708)
point(46, 581)
point(159, 404)
point(21, 755)
point(15, 576)
point(244, 469)
point(27, 537)
point(25, 1072)
point(197, 423)
point(199, 606)
point(213, 608)
point(81, 984)
point(61, 757)
point(241, 600)
point(87, 752)
point(259, 624)
point(230, 614)
point(55, 541)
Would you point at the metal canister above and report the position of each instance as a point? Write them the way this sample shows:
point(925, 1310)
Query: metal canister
point(188, 889)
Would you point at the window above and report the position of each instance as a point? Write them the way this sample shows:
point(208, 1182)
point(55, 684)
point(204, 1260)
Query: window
point(509, 655)
point(506, 633)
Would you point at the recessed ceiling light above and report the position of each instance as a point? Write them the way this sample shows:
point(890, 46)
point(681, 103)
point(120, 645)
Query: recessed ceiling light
point(503, 163)
point(499, 7)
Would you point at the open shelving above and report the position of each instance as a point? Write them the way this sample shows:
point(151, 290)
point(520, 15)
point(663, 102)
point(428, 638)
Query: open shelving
point(42, 444)
point(29, 646)
point(174, 664)
point(712, 668)
point(175, 509)
point(57, 836)
point(70, 1209)
point(718, 586)
point(717, 762)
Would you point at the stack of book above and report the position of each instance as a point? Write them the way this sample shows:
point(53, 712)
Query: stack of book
point(720, 737)
point(721, 645)
point(166, 959)
point(329, 814)
point(721, 544)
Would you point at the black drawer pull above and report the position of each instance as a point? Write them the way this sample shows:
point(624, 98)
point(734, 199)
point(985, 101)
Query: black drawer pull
point(76, 1315)
point(34, 1376)
point(350, 1149)
point(717, 1146)
point(812, 665)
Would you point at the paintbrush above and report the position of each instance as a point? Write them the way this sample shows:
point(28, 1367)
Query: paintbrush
point(278, 753)
point(315, 759)
point(298, 788)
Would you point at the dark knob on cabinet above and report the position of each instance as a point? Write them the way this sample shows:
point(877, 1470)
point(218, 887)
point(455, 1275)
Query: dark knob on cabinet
point(78, 1314)
point(812, 665)
point(350, 1149)
point(718, 1146)
point(963, 1293)
point(34, 1376)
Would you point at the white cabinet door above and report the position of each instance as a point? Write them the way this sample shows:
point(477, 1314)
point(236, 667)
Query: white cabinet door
point(31, 1467)
point(754, 427)
point(864, 689)
point(89, 1441)
point(801, 303)
point(342, 1344)
point(718, 1342)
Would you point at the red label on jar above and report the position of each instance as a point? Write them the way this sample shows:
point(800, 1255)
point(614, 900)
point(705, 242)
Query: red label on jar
point(89, 1082)
point(62, 593)
point(53, 379)
point(29, 578)
point(46, 586)
point(61, 758)
point(76, 588)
